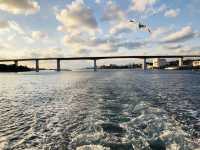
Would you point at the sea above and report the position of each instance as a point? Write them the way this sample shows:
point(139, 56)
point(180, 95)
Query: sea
point(103, 110)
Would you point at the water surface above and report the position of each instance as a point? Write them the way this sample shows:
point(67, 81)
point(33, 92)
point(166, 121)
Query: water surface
point(106, 110)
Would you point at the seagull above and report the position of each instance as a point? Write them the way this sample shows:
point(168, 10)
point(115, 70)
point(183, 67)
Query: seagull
point(132, 21)
point(144, 26)
point(141, 26)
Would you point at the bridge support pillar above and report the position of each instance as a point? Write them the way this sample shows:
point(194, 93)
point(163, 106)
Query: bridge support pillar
point(58, 65)
point(95, 65)
point(37, 65)
point(16, 63)
point(144, 64)
point(180, 62)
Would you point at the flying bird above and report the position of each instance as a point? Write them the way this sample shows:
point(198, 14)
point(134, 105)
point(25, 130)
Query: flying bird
point(141, 26)
point(132, 21)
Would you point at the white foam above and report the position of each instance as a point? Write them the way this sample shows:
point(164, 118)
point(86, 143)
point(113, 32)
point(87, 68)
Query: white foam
point(92, 147)
point(152, 123)
point(3, 142)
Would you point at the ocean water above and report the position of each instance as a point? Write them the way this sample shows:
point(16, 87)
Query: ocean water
point(104, 110)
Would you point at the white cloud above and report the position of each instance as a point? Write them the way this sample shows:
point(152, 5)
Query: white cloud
point(158, 32)
point(4, 24)
point(172, 13)
point(79, 25)
point(173, 46)
point(131, 45)
point(154, 11)
point(123, 27)
point(38, 35)
point(98, 1)
point(142, 5)
point(77, 17)
point(19, 6)
point(80, 43)
point(113, 12)
point(28, 39)
point(182, 35)
point(11, 25)
point(15, 26)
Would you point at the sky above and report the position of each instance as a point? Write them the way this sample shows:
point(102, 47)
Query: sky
point(66, 28)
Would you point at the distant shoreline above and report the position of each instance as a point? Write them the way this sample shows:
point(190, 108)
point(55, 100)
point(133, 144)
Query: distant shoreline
point(14, 68)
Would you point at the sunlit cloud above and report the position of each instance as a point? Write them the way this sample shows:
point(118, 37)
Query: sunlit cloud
point(185, 33)
point(123, 27)
point(11, 25)
point(26, 7)
point(77, 17)
point(38, 35)
point(173, 46)
point(142, 5)
point(4, 24)
point(172, 13)
point(113, 12)
point(159, 32)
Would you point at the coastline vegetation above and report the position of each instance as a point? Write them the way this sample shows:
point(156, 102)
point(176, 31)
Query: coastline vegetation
point(14, 68)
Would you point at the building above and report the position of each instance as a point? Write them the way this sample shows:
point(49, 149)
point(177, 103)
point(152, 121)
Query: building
point(149, 66)
point(159, 63)
point(196, 63)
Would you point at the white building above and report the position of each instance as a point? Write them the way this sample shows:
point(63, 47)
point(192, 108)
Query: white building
point(158, 62)
point(196, 63)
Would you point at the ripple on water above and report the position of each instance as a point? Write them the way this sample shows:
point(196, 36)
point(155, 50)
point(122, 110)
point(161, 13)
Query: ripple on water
point(154, 128)
point(75, 111)
point(92, 147)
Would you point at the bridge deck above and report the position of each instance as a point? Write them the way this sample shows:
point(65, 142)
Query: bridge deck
point(101, 57)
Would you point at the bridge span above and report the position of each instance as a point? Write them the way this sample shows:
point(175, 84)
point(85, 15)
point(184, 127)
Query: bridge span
point(144, 58)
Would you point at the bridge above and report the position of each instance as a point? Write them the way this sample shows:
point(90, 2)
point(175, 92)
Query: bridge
point(94, 59)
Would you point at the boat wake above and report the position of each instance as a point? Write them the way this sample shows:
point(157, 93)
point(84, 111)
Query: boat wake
point(150, 128)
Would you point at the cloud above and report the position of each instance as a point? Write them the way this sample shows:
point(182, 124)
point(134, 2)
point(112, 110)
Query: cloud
point(159, 32)
point(184, 34)
point(38, 35)
point(154, 11)
point(15, 26)
point(79, 42)
point(28, 39)
point(173, 46)
point(97, 1)
point(82, 34)
point(191, 50)
point(4, 24)
point(131, 45)
point(123, 27)
point(77, 17)
point(11, 25)
point(142, 5)
point(147, 8)
point(113, 12)
point(80, 27)
point(172, 13)
point(4, 46)
point(19, 6)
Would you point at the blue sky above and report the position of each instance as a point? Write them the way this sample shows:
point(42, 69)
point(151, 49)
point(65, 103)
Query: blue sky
point(40, 28)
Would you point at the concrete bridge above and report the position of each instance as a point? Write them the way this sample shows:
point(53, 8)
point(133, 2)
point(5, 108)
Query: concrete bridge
point(94, 59)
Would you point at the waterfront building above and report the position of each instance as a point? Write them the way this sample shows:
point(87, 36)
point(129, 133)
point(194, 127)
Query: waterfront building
point(196, 63)
point(159, 63)
point(149, 66)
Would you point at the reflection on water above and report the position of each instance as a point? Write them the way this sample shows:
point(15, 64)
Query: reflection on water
point(105, 110)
